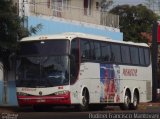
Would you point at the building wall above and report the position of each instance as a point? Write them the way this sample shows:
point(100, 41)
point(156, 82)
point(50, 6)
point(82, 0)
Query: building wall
point(54, 26)
point(75, 10)
point(40, 7)
point(7, 87)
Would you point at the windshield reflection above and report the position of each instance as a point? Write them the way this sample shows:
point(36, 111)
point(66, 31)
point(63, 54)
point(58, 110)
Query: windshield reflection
point(46, 71)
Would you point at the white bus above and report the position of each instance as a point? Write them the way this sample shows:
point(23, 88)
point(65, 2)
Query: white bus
point(83, 70)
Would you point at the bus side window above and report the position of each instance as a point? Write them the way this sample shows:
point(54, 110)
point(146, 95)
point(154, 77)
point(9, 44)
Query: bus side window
point(141, 56)
point(92, 50)
point(105, 52)
point(134, 55)
point(147, 56)
point(112, 59)
point(97, 50)
point(85, 49)
point(126, 58)
point(115, 53)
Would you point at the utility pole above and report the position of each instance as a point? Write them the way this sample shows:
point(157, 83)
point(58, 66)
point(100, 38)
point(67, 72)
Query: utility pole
point(154, 61)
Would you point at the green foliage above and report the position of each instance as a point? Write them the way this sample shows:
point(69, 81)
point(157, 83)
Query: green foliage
point(11, 27)
point(134, 20)
point(35, 29)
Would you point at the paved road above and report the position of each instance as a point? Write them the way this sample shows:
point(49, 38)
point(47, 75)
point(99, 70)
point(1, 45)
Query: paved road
point(70, 113)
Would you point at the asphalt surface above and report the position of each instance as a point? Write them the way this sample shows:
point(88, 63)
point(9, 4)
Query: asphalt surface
point(149, 111)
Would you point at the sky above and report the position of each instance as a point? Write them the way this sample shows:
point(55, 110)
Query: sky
point(134, 2)
point(154, 7)
point(130, 2)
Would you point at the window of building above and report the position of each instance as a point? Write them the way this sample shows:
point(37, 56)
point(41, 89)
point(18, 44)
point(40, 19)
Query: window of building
point(66, 4)
point(97, 5)
point(58, 6)
point(87, 7)
point(32, 1)
point(48, 3)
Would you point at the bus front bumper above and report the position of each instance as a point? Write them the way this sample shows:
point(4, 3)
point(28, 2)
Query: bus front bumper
point(48, 100)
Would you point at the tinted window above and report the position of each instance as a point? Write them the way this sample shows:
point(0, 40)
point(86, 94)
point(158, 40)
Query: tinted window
point(97, 51)
point(134, 55)
point(125, 54)
point(141, 56)
point(74, 60)
point(147, 56)
point(92, 50)
point(106, 51)
point(85, 49)
point(46, 71)
point(115, 53)
point(42, 48)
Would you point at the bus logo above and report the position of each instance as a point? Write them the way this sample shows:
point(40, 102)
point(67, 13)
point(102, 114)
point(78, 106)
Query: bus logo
point(130, 72)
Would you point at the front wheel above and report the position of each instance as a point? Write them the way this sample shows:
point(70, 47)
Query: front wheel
point(84, 106)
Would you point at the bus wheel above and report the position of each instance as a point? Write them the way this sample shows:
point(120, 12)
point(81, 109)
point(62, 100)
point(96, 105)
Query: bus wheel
point(134, 105)
point(84, 106)
point(127, 101)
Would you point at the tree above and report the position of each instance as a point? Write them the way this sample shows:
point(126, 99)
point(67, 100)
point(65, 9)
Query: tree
point(11, 30)
point(135, 20)
point(11, 26)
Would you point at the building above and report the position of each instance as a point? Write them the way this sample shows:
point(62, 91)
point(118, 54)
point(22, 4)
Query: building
point(80, 10)
point(71, 16)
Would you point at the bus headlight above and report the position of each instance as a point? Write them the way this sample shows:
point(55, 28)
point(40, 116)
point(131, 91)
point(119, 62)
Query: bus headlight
point(22, 94)
point(61, 92)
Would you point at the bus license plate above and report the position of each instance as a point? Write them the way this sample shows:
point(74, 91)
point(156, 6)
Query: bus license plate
point(41, 100)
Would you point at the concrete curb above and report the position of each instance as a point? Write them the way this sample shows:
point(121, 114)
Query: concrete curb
point(8, 109)
point(141, 106)
point(144, 106)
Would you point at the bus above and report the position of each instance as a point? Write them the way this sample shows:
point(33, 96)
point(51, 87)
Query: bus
point(82, 70)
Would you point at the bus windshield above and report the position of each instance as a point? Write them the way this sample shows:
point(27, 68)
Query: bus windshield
point(42, 68)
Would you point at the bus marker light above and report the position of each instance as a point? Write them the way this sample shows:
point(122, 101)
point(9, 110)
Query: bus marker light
point(60, 87)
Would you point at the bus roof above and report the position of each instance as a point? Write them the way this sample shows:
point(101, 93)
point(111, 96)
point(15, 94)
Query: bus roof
point(72, 35)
